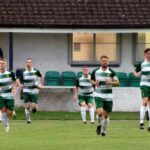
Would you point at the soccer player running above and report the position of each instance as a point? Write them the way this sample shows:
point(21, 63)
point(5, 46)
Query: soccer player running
point(84, 92)
point(103, 79)
point(14, 112)
point(143, 70)
point(7, 91)
point(29, 79)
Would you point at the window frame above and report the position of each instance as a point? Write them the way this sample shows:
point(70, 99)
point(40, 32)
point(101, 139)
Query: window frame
point(136, 60)
point(93, 63)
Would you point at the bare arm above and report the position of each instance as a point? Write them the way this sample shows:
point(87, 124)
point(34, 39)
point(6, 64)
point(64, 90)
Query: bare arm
point(137, 74)
point(95, 83)
point(75, 93)
point(113, 83)
point(15, 85)
point(42, 80)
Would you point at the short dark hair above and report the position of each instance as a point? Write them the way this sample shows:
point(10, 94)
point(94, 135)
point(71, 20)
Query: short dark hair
point(84, 66)
point(2, 59)
point(147, 50)
point(29, 59)
point(104, 56)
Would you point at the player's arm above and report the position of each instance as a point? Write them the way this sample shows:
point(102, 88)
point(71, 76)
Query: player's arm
point(15, 83)
point(76, 90)
point(137, 74)
point(137, 71)
point(20, 81)
point(114, 81)
point(41, 79)
point(93, 79)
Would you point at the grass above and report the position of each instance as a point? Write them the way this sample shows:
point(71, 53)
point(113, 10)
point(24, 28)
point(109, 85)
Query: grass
point(73, 135)
point(65, 131)
point(46, 115)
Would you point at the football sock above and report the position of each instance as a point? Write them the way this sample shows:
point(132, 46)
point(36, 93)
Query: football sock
point(142, 113)
point(27, 113)
point(0, 116)
point(5, 119)
point(149, 114)
point(99, 120)
point(105, 124)
point(83, 113)
point(91, 111)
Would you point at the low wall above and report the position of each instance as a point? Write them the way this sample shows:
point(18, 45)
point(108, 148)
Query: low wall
point(125, 99)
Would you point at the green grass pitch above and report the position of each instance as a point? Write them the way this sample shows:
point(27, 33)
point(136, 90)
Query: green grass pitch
point(73, 135)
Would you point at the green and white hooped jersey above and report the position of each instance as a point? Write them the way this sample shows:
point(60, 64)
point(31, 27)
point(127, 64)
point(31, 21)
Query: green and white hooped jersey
point(85, 87)
point(6, 84)
point(144, 67)
point(30, 81)
point(103, 90)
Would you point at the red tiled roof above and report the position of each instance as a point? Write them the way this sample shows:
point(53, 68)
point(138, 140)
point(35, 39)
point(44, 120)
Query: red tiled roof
point(75, 13)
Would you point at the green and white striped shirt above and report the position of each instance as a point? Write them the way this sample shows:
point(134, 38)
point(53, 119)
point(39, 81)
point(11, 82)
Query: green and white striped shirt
point(85, 87)
point(144, 67)
point(30, 80)
point(6, 84)
point(103, 90)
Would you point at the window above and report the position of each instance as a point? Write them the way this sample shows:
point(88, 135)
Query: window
point(86, 48)
point(142, 41)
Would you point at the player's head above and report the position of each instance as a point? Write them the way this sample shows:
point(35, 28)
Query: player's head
point(3, 63)
point(104, 61)
point(29, 63)
point(147, 54)
point(85, 70)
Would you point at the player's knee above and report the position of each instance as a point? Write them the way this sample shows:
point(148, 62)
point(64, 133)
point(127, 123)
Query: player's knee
point(82, 104)
point(100, 113)
point(145, 104)
point(90, 105)
point(106, 116)
point(10, 113)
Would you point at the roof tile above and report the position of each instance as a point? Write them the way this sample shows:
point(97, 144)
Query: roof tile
point(75, 13)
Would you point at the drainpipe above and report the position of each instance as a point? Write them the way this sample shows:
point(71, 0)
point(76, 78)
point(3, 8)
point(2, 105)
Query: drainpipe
point(11, 51)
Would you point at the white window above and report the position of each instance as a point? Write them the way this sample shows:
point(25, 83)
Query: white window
point(87, 48)
point(142, 42)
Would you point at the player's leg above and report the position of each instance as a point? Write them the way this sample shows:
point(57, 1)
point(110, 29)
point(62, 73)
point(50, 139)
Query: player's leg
point(83, 111)
point(14, 114)
point(27, 112)
point(26, 97)
point(0, 116)
point(91, 109)
point(10, 107)
point(99, 111)
point(3, 106)
point(82, 107)
point(105, 123)
point(149, 114)
point(5, 118)
point(143, 111)
point(146, 93)
point(107, 110)
point(34, 104)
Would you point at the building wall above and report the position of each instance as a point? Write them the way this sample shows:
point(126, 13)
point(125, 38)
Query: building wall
point(4, 44)
point(126, 54)
point(124, 100)
point(50, 51)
